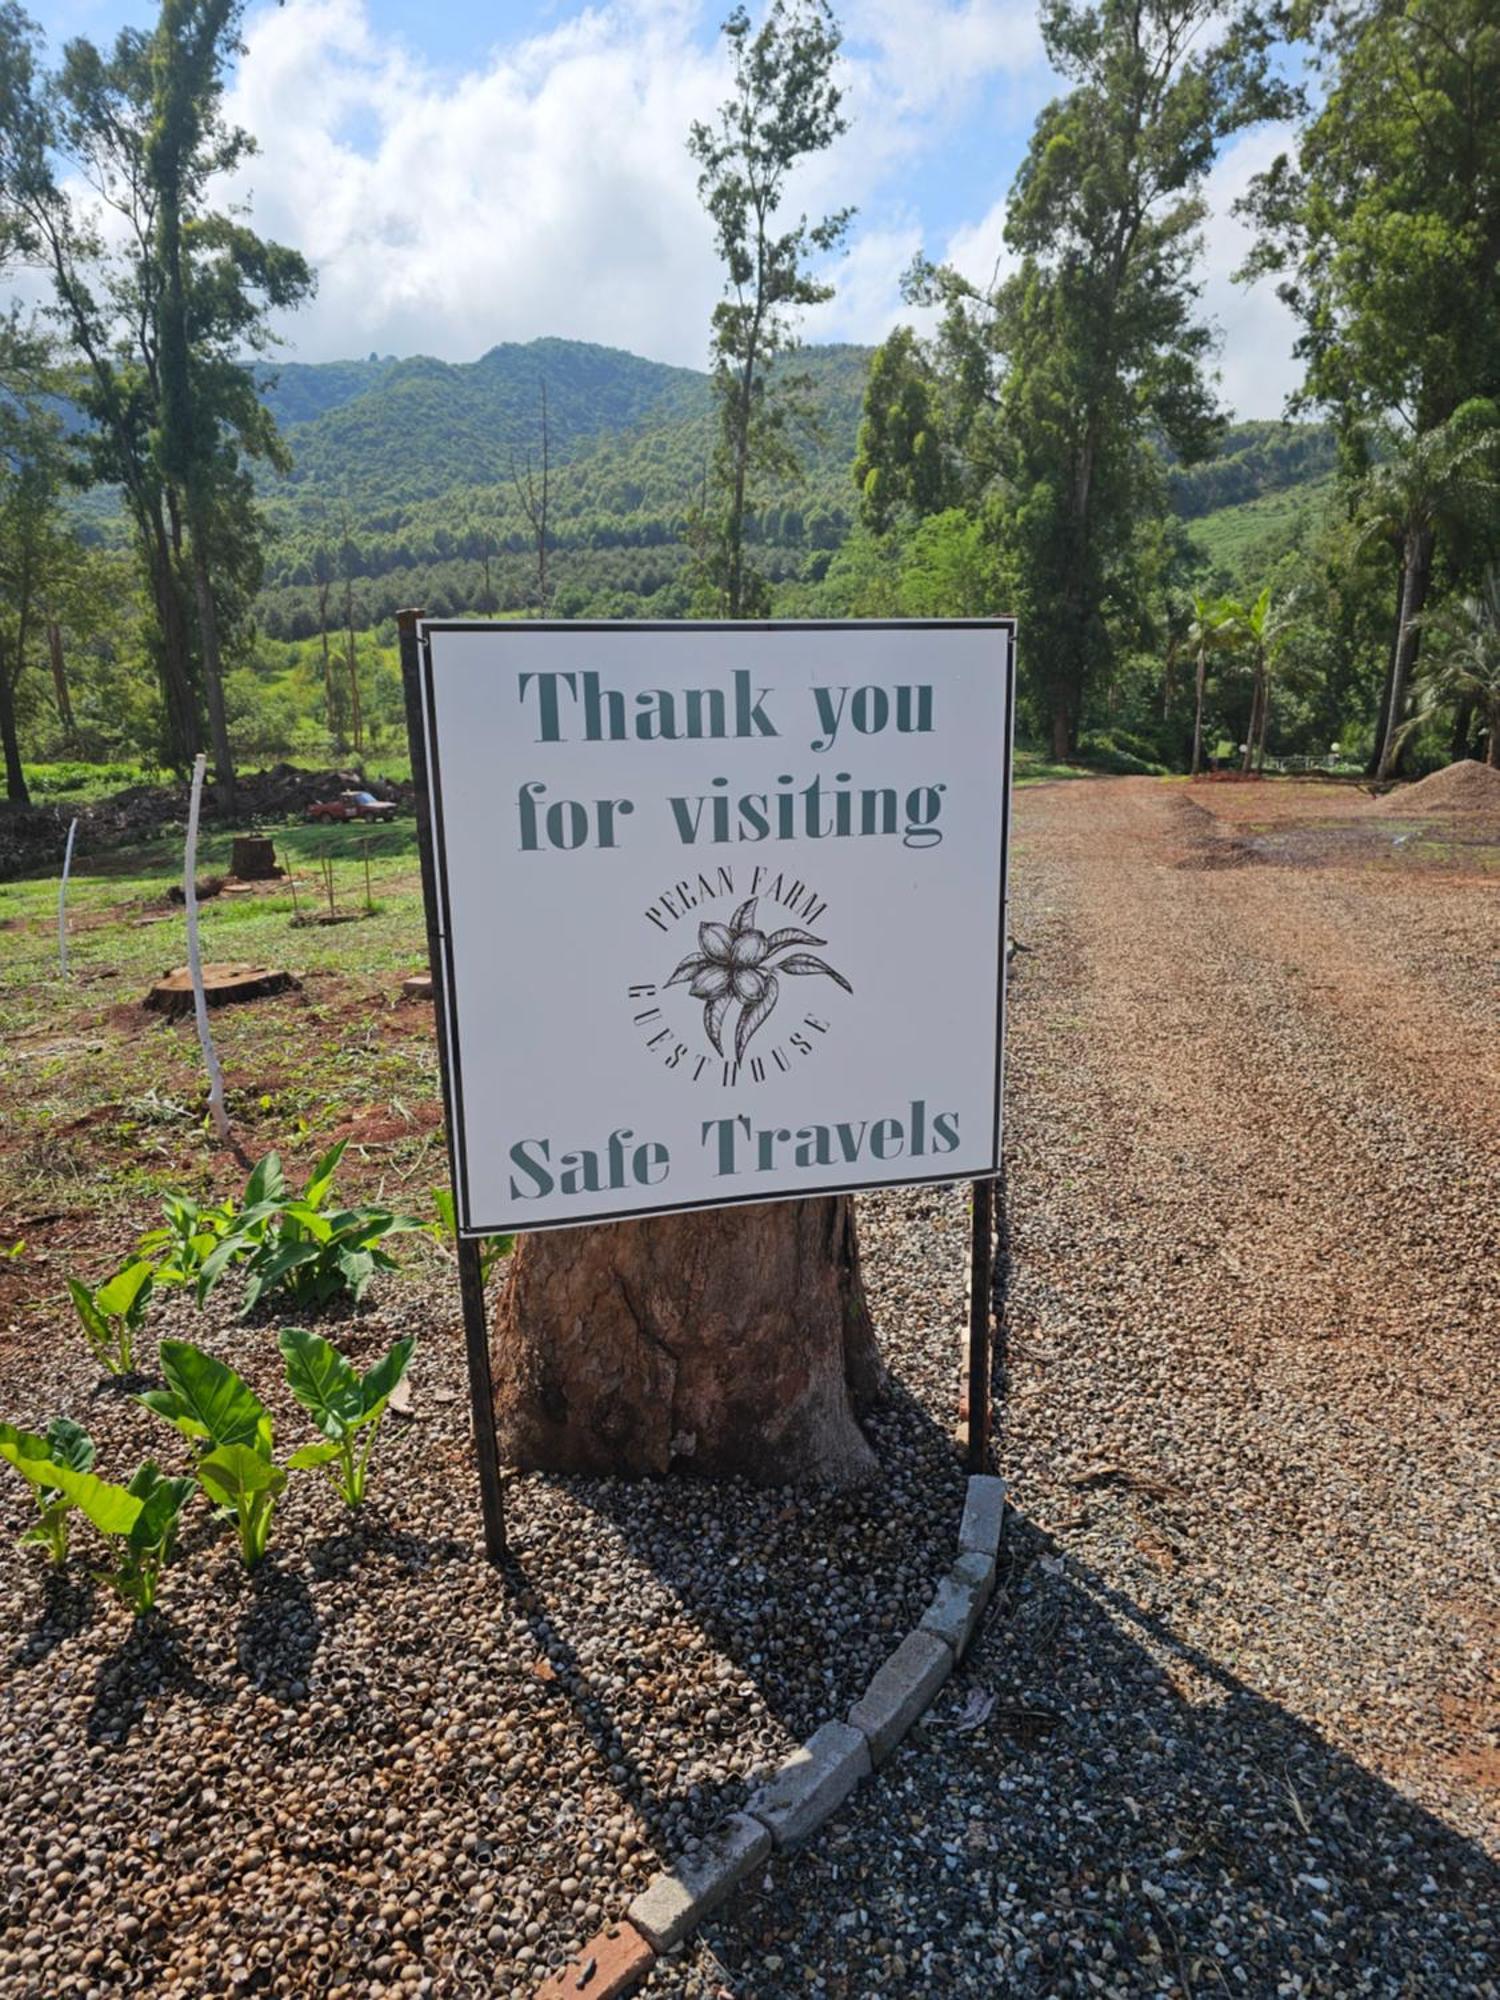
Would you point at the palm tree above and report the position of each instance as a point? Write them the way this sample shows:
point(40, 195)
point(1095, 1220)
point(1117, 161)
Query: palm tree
point(1265, 632)
point(1207, 633)
point(1437, 476)
point(1464, 666)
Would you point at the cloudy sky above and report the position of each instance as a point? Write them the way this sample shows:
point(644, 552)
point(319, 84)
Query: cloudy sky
point(463, 174)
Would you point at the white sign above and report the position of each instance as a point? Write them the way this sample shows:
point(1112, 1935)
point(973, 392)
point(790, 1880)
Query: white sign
point(721, 909)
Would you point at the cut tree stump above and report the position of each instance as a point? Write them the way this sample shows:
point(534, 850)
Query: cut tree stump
point(417, 987)
point(253, 858)
point(731, 1342)
point(223, 984)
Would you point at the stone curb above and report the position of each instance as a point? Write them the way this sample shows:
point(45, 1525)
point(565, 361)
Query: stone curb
point(813, 1782)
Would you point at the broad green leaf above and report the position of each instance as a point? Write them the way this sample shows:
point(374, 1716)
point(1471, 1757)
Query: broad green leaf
point(217, 1263)
point(163, 1403)
point(70, 1444)
point(228, 1409)
point(162, 1502)
point(28, 1453)
point(376, 1386)
point(114, 1510)
point(442, 1201)
point(311, 1455)
point(126, 1293)
point(321, 1380)
point(266, 1184)
point(358, 1267)
point(321, 1178)
point(236, 1473)
point(94, 1323)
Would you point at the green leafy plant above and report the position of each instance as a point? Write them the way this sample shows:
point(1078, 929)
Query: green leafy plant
point(113, 1314)
point(297, 1246)
point(223, 1417)
point(189, 1236)
point(65, 1443)
point(491, 1248)
point(346, 1407)
point(140, 1519)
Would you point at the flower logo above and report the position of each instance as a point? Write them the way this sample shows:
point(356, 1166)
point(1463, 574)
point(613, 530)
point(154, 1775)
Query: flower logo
point(737, 965)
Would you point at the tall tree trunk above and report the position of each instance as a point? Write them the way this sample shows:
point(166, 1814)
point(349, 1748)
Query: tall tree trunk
point(1416, 572)
point(1383, 714)
point(733, 1342)
point(1198, 715)
point(1247, 755)
point(1492, 756)
point(15, 774)
point(1062, 729)
point(60, 683)
point(1463, 729)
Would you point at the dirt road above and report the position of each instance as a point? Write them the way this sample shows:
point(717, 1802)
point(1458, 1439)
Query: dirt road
point(1256, 1125)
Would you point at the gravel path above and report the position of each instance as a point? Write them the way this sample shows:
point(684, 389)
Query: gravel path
point(1224, 1730)
point(1243, 1727)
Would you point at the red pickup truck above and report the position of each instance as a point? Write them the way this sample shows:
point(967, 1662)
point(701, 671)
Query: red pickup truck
point(353, 805)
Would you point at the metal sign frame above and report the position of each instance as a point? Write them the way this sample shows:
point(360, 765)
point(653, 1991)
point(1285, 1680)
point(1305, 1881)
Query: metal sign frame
point(415, 674)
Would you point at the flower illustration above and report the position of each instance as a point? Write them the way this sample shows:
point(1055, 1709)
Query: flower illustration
point(737, 965)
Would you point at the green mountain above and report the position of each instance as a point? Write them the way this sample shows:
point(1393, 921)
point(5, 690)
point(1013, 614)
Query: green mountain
point(422, 458)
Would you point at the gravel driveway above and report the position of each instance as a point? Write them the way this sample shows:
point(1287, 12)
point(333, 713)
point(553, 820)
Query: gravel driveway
point(1243, 1733)
point(1225, 1729)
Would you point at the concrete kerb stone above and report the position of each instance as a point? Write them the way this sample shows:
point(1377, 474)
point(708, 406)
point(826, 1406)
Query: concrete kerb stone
point(676, 1901)
point(901, 1690)
point(983, 1523)
point(959, 1601)
point(812, 1783)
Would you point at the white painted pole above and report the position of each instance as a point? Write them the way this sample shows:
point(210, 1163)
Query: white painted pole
point(62, 904)
point(195, 959)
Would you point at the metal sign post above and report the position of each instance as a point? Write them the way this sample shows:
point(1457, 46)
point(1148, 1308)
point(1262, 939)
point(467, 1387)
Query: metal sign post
point(470, 1272)
point(981, 1279)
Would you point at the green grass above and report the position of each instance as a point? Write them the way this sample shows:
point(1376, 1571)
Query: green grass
point(104, 1101)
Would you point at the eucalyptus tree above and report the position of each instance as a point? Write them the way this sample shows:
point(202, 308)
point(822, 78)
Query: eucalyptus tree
point(1066, 376)
point(161, 301)
point(1381, 226)
point(783, 107)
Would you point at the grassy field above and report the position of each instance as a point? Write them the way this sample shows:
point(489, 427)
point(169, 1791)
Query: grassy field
point(1231, 537)
point(104, 1101)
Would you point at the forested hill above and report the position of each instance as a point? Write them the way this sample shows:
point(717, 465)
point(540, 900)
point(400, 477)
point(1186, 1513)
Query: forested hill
point(405, 473)
point(402, 430)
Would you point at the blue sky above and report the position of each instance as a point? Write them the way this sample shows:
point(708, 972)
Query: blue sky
point(462, 175)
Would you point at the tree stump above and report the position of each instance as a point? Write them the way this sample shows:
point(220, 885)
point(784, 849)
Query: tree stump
point(730, 1342)
point(222, 985)
point(253, 858)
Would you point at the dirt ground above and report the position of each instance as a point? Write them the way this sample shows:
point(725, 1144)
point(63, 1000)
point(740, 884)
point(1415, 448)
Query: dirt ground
point(1269, 1263)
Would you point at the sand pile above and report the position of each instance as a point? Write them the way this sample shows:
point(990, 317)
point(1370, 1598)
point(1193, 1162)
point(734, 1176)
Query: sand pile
point(1463, 787)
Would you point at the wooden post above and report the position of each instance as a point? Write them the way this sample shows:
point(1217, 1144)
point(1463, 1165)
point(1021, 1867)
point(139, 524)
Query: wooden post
point(981, 1274)
point(470, 1272)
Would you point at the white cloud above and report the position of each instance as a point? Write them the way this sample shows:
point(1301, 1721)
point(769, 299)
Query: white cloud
point(549, 189)
point(1256, 366)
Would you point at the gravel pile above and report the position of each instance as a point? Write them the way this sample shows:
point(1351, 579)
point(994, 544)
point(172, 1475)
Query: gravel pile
point(1466, 786)
point(1223, 1731)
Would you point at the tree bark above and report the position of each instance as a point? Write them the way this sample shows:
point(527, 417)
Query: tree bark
point(1416, 571)
point(1198, 715)
point(15, 774)
point(731, 1342)
point(213, 675)
point(60, 683)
